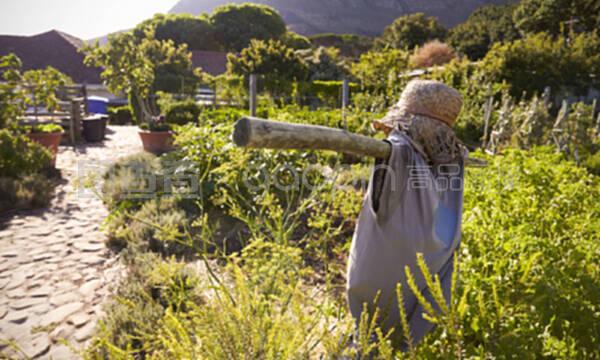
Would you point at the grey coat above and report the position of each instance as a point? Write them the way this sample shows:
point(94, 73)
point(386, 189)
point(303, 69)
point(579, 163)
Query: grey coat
point(409, 208)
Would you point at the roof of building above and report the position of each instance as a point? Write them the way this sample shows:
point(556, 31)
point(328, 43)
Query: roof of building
point(52, 48)
point(211, 62)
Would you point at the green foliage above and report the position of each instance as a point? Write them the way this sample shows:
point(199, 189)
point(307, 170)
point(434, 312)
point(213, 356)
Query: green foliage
point(12, 96)
point(324, 64)
point(278, 64)
point(236, 25)
point(552, 16)
point(379, 73)
point(522, 289)
point(487, 25)
point(295, 41)
point(23, 184)
point(153, 291)
point(196, 32)
point(530, 64)
point(350, 45)
point(329, 92)
point(182, 112)
point(410, 31)
point(140, 67)
point(19, 156)
point(127, 182)
point(44, 129)
point(120, 115)
point(43, 86)
point(27, 192)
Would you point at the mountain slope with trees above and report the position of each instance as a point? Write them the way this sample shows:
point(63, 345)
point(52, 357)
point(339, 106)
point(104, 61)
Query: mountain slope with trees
point(359, 17)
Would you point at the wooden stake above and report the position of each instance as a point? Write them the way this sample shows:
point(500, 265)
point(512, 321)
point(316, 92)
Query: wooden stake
point(260, 133)
point(253, 87)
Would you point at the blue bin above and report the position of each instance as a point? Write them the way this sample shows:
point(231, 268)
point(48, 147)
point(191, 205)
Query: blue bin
point(97, 105)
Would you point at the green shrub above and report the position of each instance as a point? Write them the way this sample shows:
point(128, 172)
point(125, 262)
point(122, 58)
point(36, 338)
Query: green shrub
point(529, 65)
point(120, 115)
point(131, 181)
point(182, 112)
point(329, 92)
point(23, 173)
point(45, 129)
point(592, 163)
point(152, 290)
point(27, 192)
point(19, 156)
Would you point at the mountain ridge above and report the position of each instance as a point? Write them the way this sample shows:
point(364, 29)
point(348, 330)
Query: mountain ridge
point(360, 17)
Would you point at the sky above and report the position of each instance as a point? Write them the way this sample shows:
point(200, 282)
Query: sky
point(85, 19)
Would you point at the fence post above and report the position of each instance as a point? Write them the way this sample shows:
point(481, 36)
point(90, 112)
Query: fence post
point(215, 94)
point(345, 100)
point(487, 114)
point(75, 126)
point(253, 87)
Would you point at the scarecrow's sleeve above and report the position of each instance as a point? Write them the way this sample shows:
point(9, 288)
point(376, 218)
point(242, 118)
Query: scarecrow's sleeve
point(390, 176)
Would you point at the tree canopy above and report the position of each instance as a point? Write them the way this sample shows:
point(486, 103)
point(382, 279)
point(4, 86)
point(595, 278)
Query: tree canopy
point(141, 67)
point(410, 31)
point(557, 16)
point(196, 32)
point(236, 25)
point(486, 25)
point(278, 64)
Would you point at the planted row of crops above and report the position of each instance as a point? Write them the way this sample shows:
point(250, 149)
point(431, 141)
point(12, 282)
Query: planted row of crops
point(234, 268)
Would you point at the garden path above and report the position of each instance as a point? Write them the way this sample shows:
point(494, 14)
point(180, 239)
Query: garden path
point(55, 270)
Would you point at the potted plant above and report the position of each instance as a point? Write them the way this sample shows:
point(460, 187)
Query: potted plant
point(47, 135)
point(156, 135)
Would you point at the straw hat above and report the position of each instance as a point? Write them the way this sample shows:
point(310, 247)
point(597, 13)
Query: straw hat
point(426, 112)
point(428, 98)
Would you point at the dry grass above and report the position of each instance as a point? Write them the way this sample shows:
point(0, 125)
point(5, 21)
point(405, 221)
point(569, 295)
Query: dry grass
point(433, 53)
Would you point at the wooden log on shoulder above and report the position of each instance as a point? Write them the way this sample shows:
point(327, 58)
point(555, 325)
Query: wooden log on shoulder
point(260, 133)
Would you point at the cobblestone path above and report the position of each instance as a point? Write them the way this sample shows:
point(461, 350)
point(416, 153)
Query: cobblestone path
point(55, 270)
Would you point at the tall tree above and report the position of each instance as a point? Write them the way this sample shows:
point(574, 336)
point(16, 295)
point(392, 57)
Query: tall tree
point(141, 67)
point(410, 31)
point(195, 31)
point(554, 16)
point(236, 25)
point(485, 26)
point(278, 64)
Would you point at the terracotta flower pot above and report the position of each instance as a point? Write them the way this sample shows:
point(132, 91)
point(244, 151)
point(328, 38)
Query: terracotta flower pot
point(157, 142)
point(48, 140)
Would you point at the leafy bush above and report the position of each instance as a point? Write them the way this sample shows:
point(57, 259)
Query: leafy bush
point(120, 115)
point(182, 112)
point(152, 292)
point(45, 129)
point(11, 96)
point(19, 156)
point(27, 192)
point(410, 31)
point(487, 25)
point(431, 54)
point(132, 180)
point(529, 65)
point(23, 167)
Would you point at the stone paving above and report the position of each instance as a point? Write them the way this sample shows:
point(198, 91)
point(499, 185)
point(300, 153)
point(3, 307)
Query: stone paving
point(55, 271)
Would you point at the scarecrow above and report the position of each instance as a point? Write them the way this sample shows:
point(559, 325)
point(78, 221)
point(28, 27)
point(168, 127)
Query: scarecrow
point(414, 199)
point(413, 205)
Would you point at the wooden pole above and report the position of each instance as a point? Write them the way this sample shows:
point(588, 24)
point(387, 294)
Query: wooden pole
point(75, 126)
point(259, 133)
point(253, 132)
point(345, 101)
point(253, 87)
